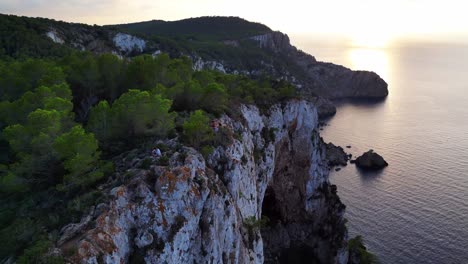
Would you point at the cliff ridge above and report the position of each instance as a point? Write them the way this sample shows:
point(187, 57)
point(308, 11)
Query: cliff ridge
point(272, 166)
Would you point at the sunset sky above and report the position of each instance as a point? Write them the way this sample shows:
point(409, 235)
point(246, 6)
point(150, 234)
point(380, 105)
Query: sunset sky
point(364, 22)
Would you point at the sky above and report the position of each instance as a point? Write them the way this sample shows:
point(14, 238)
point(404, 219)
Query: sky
point(364, 22)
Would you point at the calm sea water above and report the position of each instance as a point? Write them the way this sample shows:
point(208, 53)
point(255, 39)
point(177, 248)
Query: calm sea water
point(416, 210)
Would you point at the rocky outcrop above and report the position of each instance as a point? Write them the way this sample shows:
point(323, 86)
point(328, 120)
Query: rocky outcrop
point(319, 78)
point(97, 39)
point(199, 64)
point(325, 107)
point(335, 81)
point(127, 43)
point(336, 156)
point(214, 210)
point(371, 161)
point(275, 41)
point(82, 37)
point(55, 37)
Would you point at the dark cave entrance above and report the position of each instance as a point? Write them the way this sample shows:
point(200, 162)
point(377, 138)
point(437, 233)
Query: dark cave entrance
point(296, 252)
point(270, 207)
point(298, 255)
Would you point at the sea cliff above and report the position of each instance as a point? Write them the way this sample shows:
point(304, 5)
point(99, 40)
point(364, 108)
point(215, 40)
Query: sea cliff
point(209, 210)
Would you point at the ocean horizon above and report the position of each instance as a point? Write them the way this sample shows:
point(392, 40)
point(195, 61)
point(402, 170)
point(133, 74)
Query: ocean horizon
point(414, 211)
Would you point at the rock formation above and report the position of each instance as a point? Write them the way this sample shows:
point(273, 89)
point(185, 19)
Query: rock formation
point(128, 43)
point(215, 210)
point(371, 161)
point(324, 79)
point(336, 156)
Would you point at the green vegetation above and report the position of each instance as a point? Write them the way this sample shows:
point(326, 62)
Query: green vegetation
point(359, 251)
point(197, 130)
point(24, 37)
point(224, 39)
point(41, 132)
point(253, 224)
point(203, 28)
point(51, 160)
point(134, 114)
point(63, 119)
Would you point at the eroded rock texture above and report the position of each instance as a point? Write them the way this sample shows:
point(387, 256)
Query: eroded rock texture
point(194, 210)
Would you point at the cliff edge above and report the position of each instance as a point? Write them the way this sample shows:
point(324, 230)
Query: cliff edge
point(320, 78)
point(261, 196)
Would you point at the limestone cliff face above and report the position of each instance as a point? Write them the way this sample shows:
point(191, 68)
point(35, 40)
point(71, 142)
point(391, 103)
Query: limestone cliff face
point(194, 210)
point(97, 40)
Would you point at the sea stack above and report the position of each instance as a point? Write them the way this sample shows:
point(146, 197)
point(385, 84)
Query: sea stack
point(371, 161)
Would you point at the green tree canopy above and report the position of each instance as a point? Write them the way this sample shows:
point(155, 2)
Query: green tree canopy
point(79, 153)
point(134, 114)
point(40, 141)
point(197, 129)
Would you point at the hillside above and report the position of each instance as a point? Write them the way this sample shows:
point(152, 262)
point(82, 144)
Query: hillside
point(202, 28)
point(230, 45)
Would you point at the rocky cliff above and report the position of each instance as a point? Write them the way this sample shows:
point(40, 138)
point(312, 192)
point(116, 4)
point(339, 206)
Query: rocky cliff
point(311, 77)
point(262, 195)
point(319, 78)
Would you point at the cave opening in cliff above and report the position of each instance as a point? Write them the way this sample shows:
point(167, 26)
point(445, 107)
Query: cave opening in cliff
point(270, 207)
point(298, 255)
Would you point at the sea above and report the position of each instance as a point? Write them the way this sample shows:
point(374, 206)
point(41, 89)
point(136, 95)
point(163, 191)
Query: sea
point(416, 209)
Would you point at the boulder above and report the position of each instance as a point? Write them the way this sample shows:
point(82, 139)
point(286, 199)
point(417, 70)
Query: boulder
point(336, 155)
point(325, 108)
point(371, 161)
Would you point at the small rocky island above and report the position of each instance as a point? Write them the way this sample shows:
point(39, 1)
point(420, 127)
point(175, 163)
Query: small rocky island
point(371, 161)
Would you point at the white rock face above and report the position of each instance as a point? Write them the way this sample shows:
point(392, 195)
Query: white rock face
point(275, 41)
point(156, 53)
point(54, 37)
point(199, 64)
point(262, 39)
point(195, 210)
point(129, 43)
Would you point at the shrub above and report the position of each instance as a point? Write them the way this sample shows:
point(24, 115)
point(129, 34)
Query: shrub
point(145, 164)
point(206, 151)
point(223, 137)
point(34, 254)
point(197, 130)
point(357, 248)
point(269, 134)
point(163, 161)
point(253, 224)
